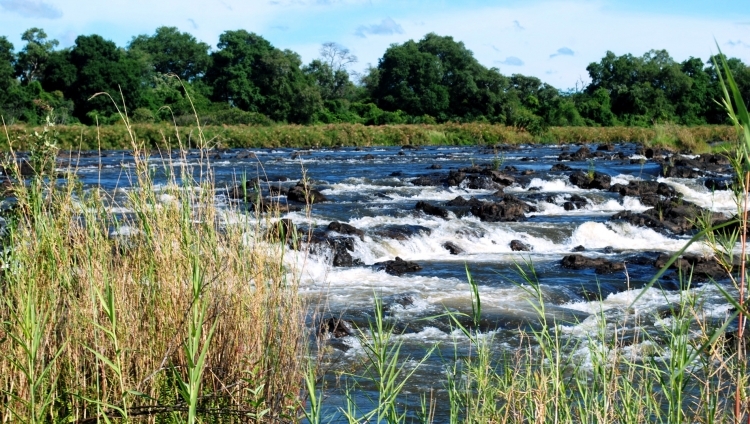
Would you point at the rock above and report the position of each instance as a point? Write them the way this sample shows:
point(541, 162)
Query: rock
point(673, 215)
point(453, 248)
point(643, 188)
point(432, 209)
point(335, 327)
point(347, 229)
point(285, 231)
point(435, 166)
point(427, 181)
point(403, 300)
point(460, 201)
point(558, 167)
point(400, 232)
point(302, 194)
point(701, 268)
point(719, 183)
point(245, 154)
point(519, 246)
point(596, 181)
point(579, 248)
point(509, 209)
point(499, 177)
point(608, 249)
point(605, 147)
point(601, 266)
point(398, 266)
point(368, 157)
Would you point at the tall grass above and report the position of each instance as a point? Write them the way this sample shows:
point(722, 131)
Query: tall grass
point(175, 310)
point(673, 137)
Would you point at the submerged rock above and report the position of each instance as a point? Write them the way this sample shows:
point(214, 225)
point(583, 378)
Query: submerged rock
point(400, 232)
point(342, 228)
point(519, 246)
point(304, 194)
point(432, 209)
point(509, 209)
point(335, 327)
point(595, 181)
point(398, 266)
point(600, 265)
point(452, 248)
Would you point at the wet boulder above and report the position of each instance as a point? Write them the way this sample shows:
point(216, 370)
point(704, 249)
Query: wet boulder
point(600, 265)
point(462, 202)
point(432, 209)
point(400, 232)
point(510, 208)
point(453, 248)
point(427, 181)
point(702, 268)
point(560, 167)
point(519, 246)
point(398, 266)
point(302, 193)
point(673, 215)
point(643, 188)
point(285, 231)
point(585, 180)
point(335, 327)
point(342, 228)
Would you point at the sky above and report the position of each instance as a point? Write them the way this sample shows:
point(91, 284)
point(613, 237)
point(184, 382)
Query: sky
point(552, 40)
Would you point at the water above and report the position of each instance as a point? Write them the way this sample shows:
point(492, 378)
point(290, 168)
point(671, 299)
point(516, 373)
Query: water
point(370, 189)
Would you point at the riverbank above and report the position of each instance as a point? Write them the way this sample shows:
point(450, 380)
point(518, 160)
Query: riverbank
point(161, 136)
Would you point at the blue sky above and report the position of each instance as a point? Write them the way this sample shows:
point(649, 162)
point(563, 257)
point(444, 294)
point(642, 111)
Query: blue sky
point(552, 40)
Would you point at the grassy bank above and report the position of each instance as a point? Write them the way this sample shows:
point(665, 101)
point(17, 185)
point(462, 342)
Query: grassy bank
point(160, 305)
point(674, 137)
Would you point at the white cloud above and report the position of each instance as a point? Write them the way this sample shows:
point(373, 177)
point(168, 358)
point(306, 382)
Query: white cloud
point(386, 27)
point(511, 61)
point(32, 8)
point(563, 51)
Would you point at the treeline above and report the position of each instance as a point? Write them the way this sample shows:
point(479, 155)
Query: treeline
point(168, 75)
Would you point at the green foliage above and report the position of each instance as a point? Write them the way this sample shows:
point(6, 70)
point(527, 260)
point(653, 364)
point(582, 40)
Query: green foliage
point(433, 80)
point(172, 52)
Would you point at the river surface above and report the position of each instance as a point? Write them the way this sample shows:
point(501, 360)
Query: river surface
point(371, 189)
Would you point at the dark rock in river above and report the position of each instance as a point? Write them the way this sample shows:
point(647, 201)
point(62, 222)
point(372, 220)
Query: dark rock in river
point(398, 266)
point(245, 154)
point(400, 232)
point(431, 209)
point(284, 231)
point(578, 248)
point(305, 194)
point(453, 248)
point(519, 246)
point(702, 268)
point(601, 266)
point(673, 215)
point(719, 183)
point(558, 167)
point(460, 201)
point(435, 166)
point(427, 181)
point(643, 188)
point(335, 327)
point(596, 181)
point(347, 229)
point(509, 209)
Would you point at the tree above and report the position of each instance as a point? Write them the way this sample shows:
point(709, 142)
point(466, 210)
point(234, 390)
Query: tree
point(438, 77)
point(336, 56)
point(34, 57)
point(101, 67)
point(249, 73)
point(173, 52)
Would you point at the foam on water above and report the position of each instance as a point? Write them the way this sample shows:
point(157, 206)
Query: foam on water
point(717, 201)
point(623, 236)
point(546, 186)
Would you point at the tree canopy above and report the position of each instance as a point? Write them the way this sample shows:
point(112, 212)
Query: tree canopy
point(170, 75)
